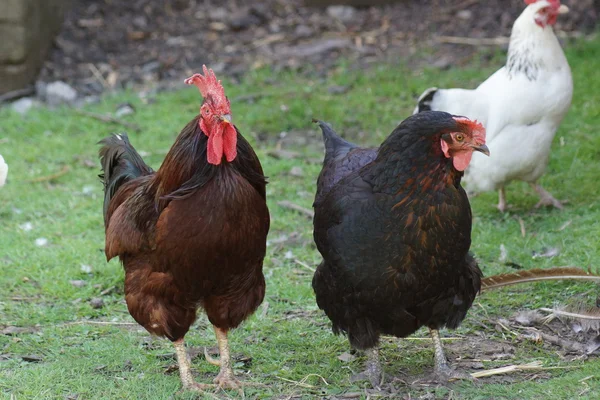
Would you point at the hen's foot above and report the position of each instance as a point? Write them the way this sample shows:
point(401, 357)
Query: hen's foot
point(546, 199)
point(373, 372)
point(444, 373)
point(226, 380)
point(197, 387)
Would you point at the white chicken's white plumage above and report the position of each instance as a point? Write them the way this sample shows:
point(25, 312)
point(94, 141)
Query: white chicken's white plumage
point(521, 105)
point(3, 171)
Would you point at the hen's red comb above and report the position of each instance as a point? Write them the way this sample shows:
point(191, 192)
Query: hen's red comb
point(476, 128)
point(208, 85)
point(553, 3)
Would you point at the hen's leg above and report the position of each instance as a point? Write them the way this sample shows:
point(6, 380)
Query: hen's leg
point(442, 370)
point(225, 379)
point(373, 371)
point(501, 199)
point(185, 370)
point(546, 199)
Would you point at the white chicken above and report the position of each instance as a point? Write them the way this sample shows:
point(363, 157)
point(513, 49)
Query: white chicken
point(3, 171)
point(522, 103)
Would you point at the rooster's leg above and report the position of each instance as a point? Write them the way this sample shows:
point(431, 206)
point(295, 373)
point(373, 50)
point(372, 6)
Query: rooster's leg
point(546, 199)
point(442, 370)
point(225, 379)
point(185, 370)
point(373, 371)
point(501, 199)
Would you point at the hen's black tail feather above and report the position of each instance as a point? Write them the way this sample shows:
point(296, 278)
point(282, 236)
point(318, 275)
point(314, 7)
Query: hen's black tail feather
point(424, 102)
point(334, 144)
point(120, 163)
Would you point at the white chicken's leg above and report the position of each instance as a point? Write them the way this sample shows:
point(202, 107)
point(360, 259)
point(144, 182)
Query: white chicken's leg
point(502, 199)
point(546, 199)
point(185, 370)
point(442, 370)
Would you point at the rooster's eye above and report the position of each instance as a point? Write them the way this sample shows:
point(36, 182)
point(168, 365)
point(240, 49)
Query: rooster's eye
point(459, 138)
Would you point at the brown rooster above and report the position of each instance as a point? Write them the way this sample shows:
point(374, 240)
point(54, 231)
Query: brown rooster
point(394, 228)
point(193, 233)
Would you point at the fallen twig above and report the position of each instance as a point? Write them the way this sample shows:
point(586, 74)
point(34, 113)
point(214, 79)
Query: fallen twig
point(522, 225)
point(296, 207)
point(536, 365)
point(109, 119)
point(302, 264)
point(58, 174)
point(15, 94)
point(100, 323)
point(498, 41)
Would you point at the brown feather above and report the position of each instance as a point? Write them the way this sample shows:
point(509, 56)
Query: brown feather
point(536, 275)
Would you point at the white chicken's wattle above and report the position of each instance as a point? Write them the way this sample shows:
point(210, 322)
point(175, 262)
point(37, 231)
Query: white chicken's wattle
point(521, 106)
point(3, 171)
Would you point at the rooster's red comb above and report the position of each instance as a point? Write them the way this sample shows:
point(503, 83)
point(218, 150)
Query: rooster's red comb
point(208, 85)
point(476, 128)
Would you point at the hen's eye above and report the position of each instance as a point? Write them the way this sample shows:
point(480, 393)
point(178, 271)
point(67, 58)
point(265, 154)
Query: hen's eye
point(206, 111)
point(459, 138)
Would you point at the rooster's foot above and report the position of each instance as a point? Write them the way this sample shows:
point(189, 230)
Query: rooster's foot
point(373, 373)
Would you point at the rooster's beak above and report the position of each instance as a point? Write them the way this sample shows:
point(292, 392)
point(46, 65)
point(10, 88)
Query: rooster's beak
point(482, 148)
point(226, 118)
point(563, 9)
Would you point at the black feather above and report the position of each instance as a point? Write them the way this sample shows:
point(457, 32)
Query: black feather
point(120, 163)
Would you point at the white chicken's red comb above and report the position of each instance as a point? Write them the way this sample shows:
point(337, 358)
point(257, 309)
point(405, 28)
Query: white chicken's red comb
point(208, 85)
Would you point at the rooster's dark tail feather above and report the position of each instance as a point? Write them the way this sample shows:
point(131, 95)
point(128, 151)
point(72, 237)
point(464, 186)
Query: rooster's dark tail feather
point(120, 164)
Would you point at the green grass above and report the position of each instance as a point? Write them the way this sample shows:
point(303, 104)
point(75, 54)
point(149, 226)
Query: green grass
point(289, 341)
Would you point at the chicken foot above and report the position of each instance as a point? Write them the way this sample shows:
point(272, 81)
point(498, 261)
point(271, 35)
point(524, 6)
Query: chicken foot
point(185, 370)
point(546, 199)
point(442, 370)
point(373, 371)
point(225, 379)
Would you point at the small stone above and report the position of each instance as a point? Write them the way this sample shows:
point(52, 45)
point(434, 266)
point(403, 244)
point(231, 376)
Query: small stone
point(97, 303)
point(297, 171)
point(86, 269)
point(22, 106)
point(59, 93)
point(41, 242)
point(289, 255)
point(27, 226)
point(342, 13)
point(303, 31)
point(464, 15)
point(78, 283)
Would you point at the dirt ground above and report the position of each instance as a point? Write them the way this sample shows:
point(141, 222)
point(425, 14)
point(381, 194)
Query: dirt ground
point(111, 44)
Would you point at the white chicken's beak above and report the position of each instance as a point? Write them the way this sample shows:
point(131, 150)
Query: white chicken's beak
point(563, 9)
point(226, 118)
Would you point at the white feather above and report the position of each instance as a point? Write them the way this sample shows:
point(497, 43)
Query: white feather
point(3, 171)
point(521, 115)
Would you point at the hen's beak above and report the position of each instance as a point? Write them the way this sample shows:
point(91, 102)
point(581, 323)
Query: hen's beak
point(226, 118)
point(563, 9)
point(482, 148)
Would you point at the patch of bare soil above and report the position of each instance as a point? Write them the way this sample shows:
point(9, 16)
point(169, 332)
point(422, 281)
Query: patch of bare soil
point(107, 44)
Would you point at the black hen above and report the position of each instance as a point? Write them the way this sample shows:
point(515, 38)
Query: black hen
point(394, 228)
